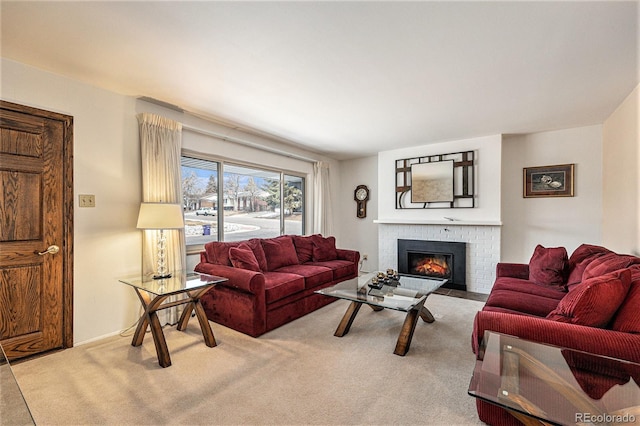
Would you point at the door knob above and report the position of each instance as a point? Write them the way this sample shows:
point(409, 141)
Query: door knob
point(51, 250)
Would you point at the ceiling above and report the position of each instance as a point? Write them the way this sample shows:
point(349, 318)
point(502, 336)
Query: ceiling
point(346, 79)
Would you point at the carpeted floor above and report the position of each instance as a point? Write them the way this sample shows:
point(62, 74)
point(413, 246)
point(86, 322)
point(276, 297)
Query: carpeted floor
point(297, 374)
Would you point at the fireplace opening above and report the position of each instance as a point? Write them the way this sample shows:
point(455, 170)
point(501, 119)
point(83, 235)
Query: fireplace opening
point(430, 265)
point(434, 260)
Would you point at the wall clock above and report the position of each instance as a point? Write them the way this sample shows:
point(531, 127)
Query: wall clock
point(361, 195)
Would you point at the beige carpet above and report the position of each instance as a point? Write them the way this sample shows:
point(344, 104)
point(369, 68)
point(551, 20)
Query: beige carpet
point(295, 375)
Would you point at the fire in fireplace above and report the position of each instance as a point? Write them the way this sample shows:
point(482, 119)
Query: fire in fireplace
point(430, 265)
point(434, 259)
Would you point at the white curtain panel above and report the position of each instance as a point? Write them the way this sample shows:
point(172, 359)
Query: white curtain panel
point(322, 223)
point(161, 143)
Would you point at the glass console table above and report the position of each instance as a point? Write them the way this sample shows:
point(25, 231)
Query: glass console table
point(543, 384)
point(190, 287)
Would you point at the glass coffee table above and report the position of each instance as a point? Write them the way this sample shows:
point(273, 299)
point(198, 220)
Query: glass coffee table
point(153, 294)
point(408, 295)
point(544, 384)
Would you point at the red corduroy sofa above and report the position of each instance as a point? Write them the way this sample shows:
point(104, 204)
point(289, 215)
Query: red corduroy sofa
point(271, 281)
point(589, 301)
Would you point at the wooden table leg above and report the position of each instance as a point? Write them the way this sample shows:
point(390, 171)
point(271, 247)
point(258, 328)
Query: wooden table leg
point(138, 336)
point(205, 327)
point(184, 318)
point(207, 333)
point(150, 318)
point(347, 319)
point(143, 322)
point(426, 315)
point(406, 334)
point(158, 339)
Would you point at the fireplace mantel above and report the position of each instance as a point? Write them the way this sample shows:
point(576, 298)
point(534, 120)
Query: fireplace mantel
point(437, 222)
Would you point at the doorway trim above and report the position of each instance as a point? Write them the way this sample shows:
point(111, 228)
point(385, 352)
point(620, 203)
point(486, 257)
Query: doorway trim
point(66, 251)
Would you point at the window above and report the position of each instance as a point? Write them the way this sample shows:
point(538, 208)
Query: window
point(293, 205)
point(243, 201)
point(200, 195)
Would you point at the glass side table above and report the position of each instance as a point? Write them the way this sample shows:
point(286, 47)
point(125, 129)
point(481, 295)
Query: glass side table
point(190, 287)
point(543, 384)
point(13, 407)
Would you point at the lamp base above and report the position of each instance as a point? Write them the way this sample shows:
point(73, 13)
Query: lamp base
point(161, 277)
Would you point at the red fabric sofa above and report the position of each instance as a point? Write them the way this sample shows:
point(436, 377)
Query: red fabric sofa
point(272, 281)
point(589, 301)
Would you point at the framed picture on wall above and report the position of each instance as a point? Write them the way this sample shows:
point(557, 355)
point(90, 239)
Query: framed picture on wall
point(548, 181)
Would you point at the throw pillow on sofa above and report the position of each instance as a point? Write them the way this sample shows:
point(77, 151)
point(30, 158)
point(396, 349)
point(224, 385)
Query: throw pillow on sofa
point(595, 301)
point(242, 257)
point(279, 252)
point(548, 266)
point(324, 248)
point(304, 248)
point(580, 259)
point(627, 318)
point(608, 263)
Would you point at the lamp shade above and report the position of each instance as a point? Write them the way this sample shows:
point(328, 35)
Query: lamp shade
point(160, 216)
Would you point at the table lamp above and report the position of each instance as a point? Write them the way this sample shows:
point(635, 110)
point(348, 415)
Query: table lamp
point(160, 216)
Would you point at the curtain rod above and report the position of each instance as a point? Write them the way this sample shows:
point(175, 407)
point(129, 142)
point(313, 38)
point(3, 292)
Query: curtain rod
point(250, 144)
point(220, 136)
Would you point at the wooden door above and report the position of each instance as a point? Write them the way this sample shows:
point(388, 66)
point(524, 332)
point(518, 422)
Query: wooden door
point(36, 212)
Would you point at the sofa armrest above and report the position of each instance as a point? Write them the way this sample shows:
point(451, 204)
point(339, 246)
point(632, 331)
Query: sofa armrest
point(588, 339)
point(514, 270)
point(350, 255)
point(241, 279)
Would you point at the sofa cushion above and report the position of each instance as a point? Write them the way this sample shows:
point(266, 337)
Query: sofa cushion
point(506, 311)
point(627, 319)
point(594, 302)
point(313, 275)
point(304, 248)
point(608, 263)
point(548, 266)
point(339, 268)
point(278, 285)
point(527, 287)
point(580, 259)
point(324, 248)
point(279, 252)
point(514, 300)
point(242, 257)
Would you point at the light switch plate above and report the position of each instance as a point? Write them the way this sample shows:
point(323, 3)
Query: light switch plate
point(86, 200)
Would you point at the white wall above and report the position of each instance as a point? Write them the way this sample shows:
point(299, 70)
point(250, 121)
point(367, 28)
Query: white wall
point(359, 234)
point(483, 248)
point(107, 164)
point(487, 181)
point(560, 221)
point(621, 177)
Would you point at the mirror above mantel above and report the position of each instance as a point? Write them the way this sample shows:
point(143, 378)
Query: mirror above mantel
point(435, 181)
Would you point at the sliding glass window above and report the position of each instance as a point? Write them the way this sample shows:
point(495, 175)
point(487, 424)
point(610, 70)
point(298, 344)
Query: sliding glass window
point(293, 205)
point(232, 202)
point(200, 195)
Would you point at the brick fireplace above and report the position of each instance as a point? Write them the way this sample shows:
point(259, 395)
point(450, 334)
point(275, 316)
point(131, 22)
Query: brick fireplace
point(482, 244)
